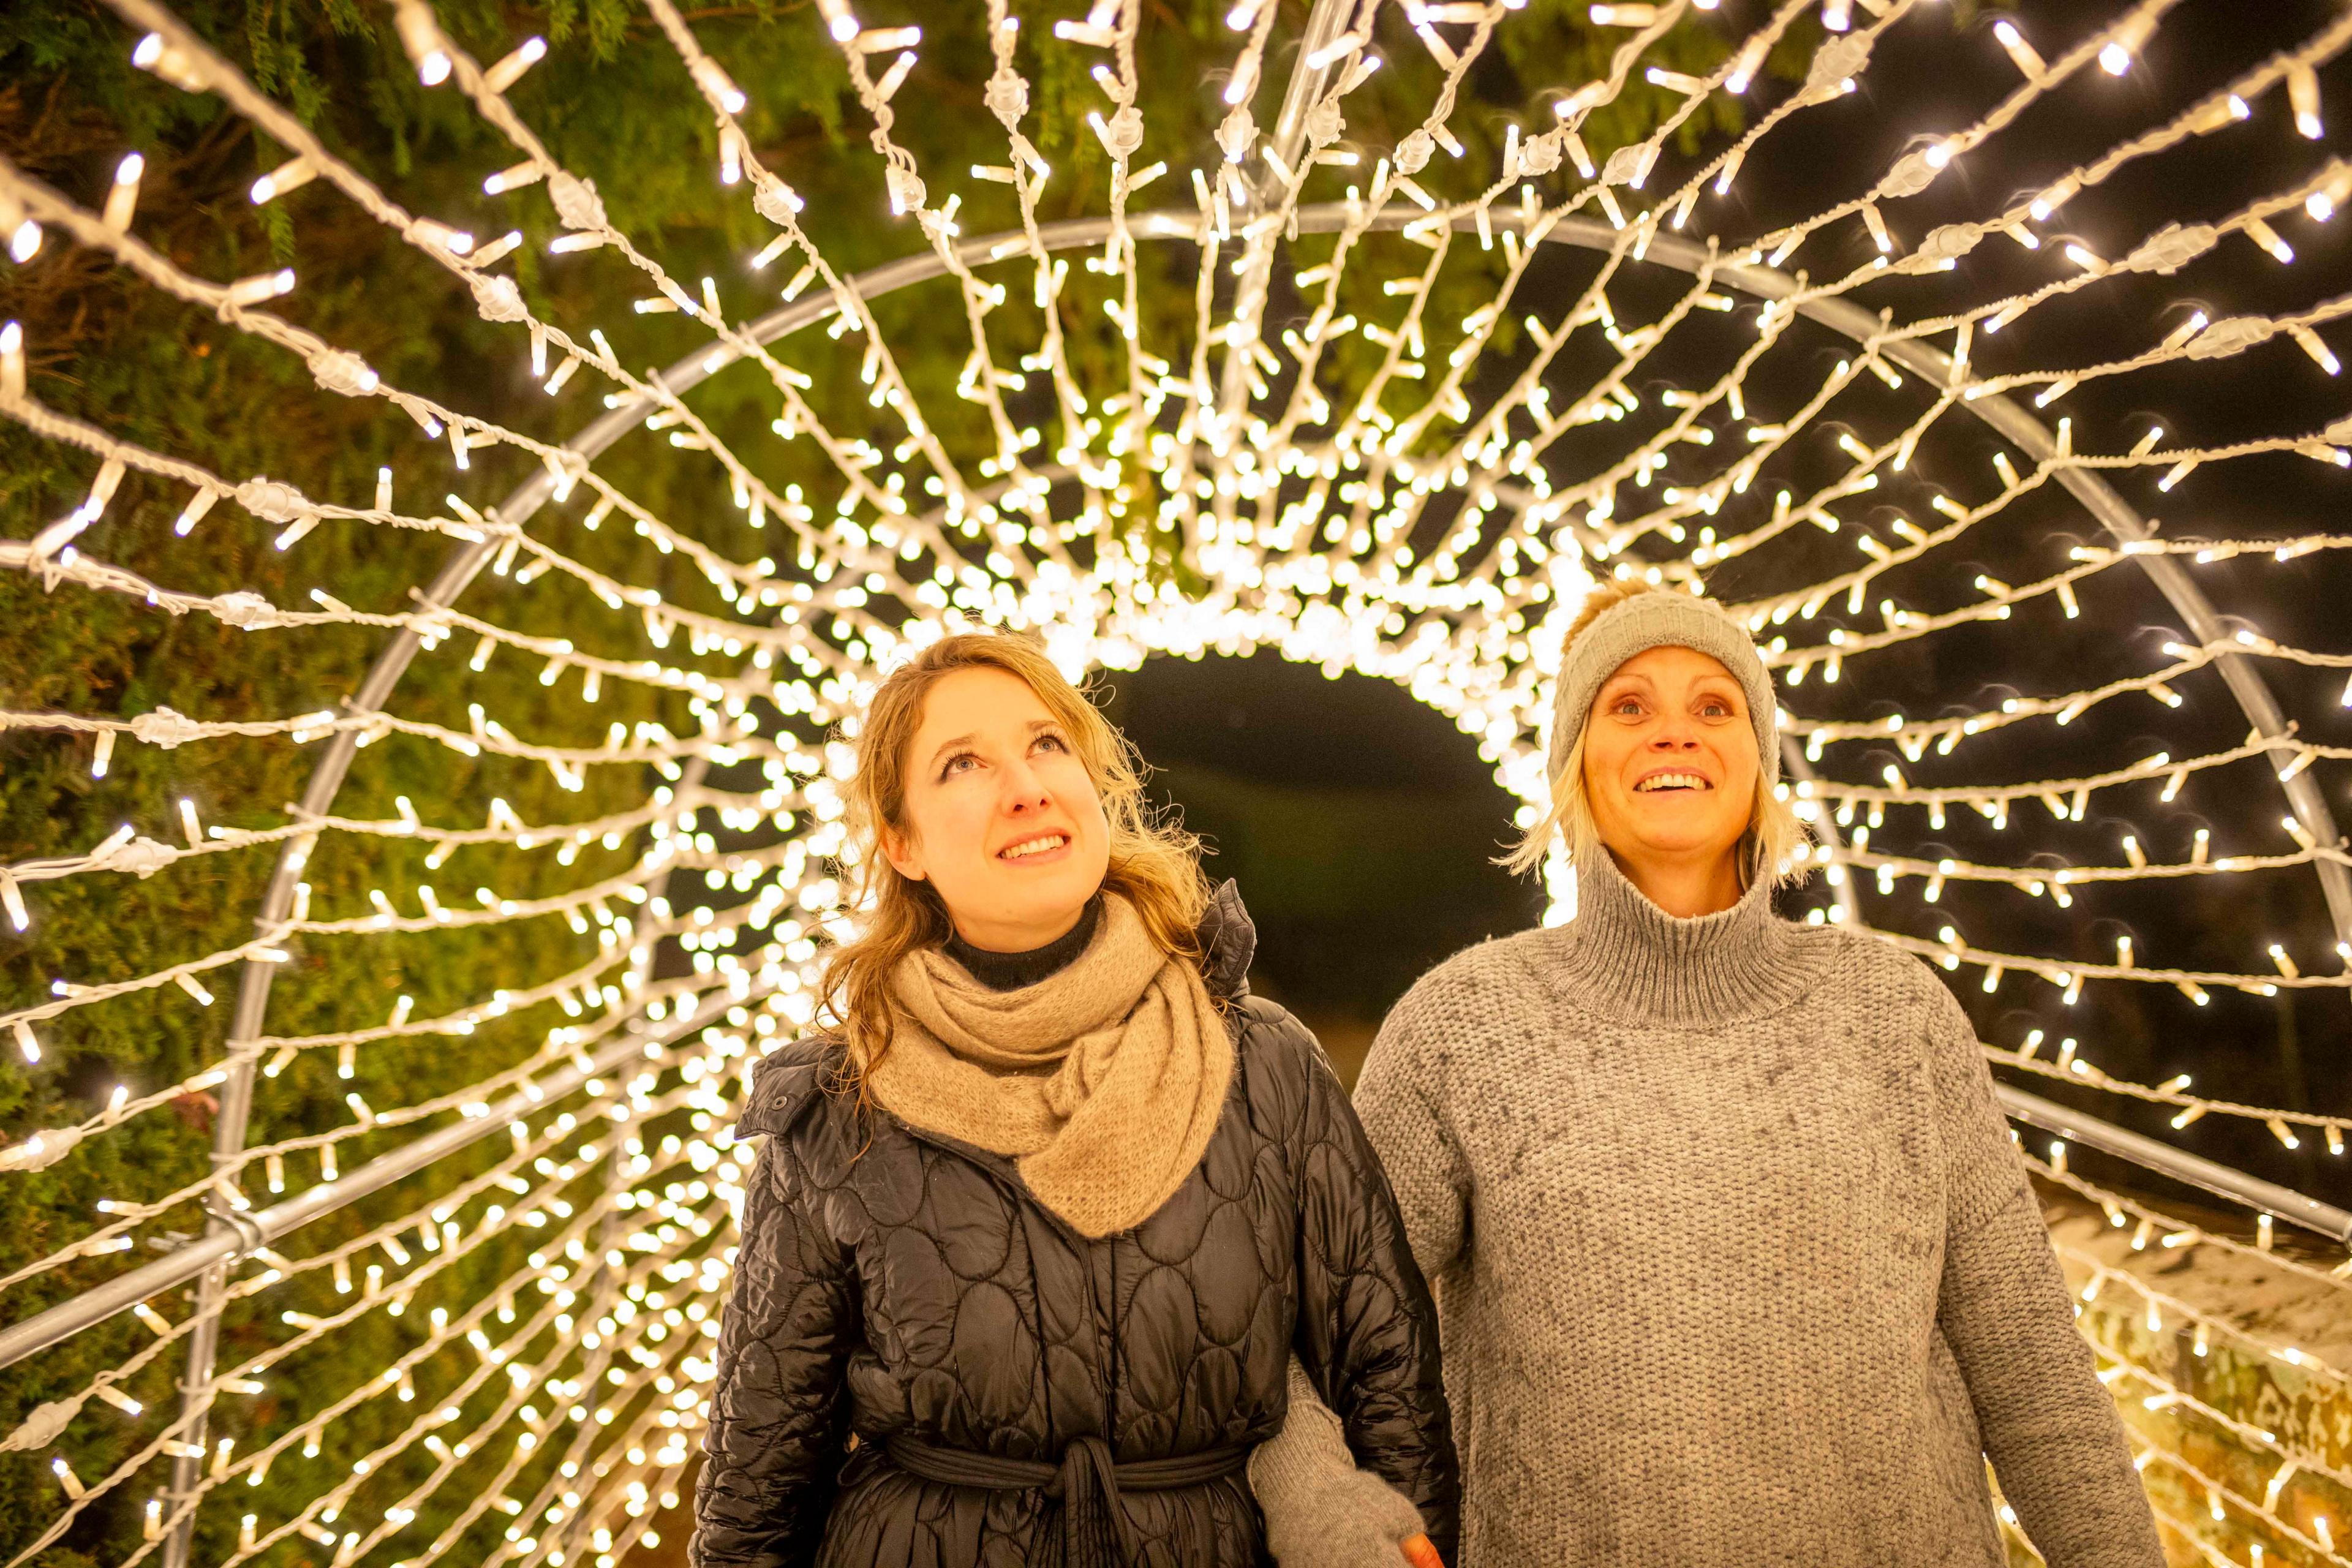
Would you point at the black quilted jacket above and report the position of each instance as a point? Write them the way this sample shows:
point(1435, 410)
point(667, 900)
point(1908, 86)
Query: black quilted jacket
point(895, 1281)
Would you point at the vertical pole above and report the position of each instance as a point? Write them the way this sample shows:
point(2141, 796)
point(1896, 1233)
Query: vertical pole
point(599, 1304)
point(456, 573)
point(230, 1125)
point(228, 1152)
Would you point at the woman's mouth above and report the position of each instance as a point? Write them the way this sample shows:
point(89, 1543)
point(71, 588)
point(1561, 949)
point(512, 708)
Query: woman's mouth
point(1657, 782)
point(1043, 846)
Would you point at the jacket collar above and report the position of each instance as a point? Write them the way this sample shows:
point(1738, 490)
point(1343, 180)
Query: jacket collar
point(1228, 941)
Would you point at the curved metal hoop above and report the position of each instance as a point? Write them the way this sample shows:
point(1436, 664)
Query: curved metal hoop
point(2004, 416)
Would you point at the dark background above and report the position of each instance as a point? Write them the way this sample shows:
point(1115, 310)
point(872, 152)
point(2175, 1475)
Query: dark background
point(1360, 823)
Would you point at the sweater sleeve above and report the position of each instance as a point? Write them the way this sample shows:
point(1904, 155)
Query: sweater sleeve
point(1399, 1097)
point(1321, 1512)
point(776, 1442)
point(2047, 1423)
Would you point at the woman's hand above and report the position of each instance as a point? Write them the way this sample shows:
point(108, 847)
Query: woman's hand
point(1320, 1510)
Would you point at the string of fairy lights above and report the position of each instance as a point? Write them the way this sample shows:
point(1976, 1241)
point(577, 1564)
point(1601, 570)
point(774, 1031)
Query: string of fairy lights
point(2150, 1339)
point(1413, 522)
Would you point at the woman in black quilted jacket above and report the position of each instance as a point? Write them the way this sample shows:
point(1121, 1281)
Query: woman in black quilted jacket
point(1035, 1229)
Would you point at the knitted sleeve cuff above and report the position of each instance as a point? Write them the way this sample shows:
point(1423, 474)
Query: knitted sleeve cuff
point(1321, 1511)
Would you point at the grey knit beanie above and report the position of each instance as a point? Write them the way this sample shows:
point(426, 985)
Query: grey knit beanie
point(1663, 618)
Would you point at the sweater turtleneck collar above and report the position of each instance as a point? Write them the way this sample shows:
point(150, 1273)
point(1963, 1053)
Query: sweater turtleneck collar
point(1011, 970)
point(1626, 957)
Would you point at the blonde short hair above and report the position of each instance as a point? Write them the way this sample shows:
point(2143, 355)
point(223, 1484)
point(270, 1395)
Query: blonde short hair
point(1774, 836)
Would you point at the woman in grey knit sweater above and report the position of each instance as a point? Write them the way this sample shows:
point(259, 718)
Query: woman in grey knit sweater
point(1734, 1261)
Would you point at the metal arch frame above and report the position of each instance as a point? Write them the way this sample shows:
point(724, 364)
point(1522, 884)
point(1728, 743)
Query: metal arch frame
point(225, 1230)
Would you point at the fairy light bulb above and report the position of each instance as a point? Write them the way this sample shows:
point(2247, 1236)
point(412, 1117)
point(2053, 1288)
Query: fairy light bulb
point(2021, 54)
point(2303, 98)
point(123, 195)
point(12, 372)
point(509, 70)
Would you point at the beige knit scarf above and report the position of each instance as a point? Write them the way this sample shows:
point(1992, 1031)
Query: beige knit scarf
point(1104, 1080)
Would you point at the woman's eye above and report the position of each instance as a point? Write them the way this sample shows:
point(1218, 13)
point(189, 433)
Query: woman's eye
point(1053, 741)
point(955, 764)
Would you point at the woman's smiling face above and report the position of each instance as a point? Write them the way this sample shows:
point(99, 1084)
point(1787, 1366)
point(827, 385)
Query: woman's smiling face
point(1670, 764)
point(1001, 815)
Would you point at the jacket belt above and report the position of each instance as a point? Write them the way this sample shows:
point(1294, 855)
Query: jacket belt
point(1090, 1528)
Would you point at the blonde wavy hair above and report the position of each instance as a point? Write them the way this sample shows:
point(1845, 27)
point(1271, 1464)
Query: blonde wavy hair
point(1774, 836)
point(1154, 863)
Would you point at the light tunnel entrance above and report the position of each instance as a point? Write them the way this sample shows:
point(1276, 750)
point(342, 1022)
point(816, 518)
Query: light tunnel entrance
point(1360, 825)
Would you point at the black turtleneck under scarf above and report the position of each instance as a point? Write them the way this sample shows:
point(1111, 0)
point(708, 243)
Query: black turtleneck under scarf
point(1011, 970)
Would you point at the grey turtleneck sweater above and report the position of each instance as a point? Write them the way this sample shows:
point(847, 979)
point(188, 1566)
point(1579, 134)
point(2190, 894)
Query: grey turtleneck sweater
point(1734, 1261)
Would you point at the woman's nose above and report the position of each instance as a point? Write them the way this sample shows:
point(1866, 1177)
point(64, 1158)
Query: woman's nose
point(1674, 734)
point(1024, 791)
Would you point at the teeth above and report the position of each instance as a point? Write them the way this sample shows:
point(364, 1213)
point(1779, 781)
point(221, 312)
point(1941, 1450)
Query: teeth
point(1671, 781)
point(1035, 845)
